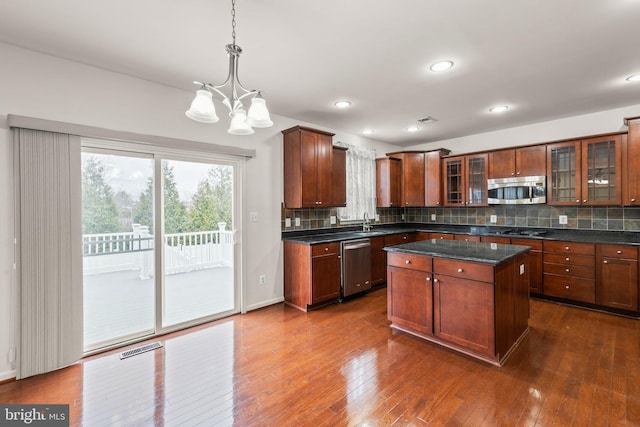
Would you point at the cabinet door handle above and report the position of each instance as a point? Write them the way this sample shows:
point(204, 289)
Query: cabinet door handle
point(606, 262)
point(567, 270)
point(584, 201)
point(567, 259)
point(460, 270)
point(517, 173)
point(633, 200)
point(436, 281)
point(566, 286)
point(404, 237)
point(407, 261)
point(566, 248)
point(428, 279)
point(326, 249)
point(578, 201)
point(339, 256)
point(512, 174)
point(319, 203)
point(618, 252)
point(437, 203)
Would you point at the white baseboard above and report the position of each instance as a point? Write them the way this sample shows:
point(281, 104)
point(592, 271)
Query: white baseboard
point(7, 375)
point(265, 303)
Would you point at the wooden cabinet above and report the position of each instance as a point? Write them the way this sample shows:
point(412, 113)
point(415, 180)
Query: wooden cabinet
point(585, 172)
point(311, 273)
point(411, 178)
point(311, 179)
point(466, 237)
point(617, 276)
point(422, 235)
point(478, 309)
point(442, 236)
point(400, 238)
point(569, 271)
point(495, 239)
point(433, 177)
point(525, 161)
point(410, 293)
point(631, 164)
point(388, 182)
point(378, 261)
point(454, 294)
point(535, 263)
point(465, 180)
point(339, 177)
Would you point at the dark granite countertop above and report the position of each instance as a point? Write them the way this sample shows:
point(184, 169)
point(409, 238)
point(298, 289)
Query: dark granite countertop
point(570, 235)
point(488, 253)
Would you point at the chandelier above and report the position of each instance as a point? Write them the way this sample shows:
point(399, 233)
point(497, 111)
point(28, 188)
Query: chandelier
point(242, 121)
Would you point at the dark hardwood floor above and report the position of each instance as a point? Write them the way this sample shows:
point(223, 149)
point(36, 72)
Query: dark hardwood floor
point(342, 365)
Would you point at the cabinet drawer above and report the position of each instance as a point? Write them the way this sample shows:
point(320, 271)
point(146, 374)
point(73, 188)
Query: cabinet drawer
point(569, 259)
point(536, 245)
point(325, 249)
point(570, 270)
point(410, 261)
point(570, 247)
point(463, 269)
point(618, 251)
point(573, 288)
point(442, 236)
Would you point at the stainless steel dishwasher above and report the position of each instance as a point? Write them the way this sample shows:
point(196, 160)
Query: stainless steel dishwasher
point(356, 266)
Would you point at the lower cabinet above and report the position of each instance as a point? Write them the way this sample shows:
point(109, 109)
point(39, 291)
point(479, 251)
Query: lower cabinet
point(311, 274)
point(378, 261)
point(478, 309)
point(617, 276)
point(569, 271)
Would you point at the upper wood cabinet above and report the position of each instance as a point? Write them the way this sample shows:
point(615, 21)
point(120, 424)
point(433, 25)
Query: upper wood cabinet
point(311, 180)
point(585, 172)
point(631, 164)
point(433, 177)
point(526, 161)
point(411, 178)
point(339, 176)
point(388, 182)
point(465, 180)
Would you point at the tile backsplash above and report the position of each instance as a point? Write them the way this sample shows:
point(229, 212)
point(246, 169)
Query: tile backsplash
point(584, 218)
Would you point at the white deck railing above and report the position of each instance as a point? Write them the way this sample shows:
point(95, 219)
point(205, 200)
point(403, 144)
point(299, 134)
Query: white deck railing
point(183, 252)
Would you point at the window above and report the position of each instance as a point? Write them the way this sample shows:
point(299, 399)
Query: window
point(361, 183)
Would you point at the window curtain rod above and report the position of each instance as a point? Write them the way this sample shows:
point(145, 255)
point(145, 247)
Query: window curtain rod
point(23, 122)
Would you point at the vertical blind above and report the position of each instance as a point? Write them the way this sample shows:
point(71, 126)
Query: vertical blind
point(49, 256)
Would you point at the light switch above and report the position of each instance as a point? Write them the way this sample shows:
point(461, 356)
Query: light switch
point(562, 219)
point(297, 222)
point(521, 269)
point(494, 219)
point(433, 217)
point(287, 222)
point(253, 216)
point(333, 219)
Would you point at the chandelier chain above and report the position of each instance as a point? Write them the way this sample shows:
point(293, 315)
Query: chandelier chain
point(233, 21)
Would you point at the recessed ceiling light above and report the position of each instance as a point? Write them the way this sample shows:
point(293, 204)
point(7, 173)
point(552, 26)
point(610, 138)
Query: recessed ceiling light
point(634, 78)
point(342, 104)
point(441, 66)
point(413, 129)
point(499, 109)
point(367, 131)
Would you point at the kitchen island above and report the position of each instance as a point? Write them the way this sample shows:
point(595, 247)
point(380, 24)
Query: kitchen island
point(470, 297)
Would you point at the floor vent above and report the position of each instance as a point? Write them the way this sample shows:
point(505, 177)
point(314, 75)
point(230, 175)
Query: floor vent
point(139, 350)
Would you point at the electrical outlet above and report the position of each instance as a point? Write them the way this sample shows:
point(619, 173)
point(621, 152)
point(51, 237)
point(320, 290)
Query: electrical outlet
point(297, 222)
point(333, 219)
point(403, 217)
point(287, 222)
point(377, 217)
point(562, 219)
point(433, 217)
point(262, 279)
point(253, 216)
point(493, 219)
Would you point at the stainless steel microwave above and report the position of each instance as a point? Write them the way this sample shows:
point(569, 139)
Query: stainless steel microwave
point(520, 190)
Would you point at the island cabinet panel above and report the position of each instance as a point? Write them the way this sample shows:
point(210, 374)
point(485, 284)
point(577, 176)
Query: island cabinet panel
point(464, 269)
point(535, 263)
point(617, 276)
point(464, 313)
point(410, 303)
point(311, 274)
point(466, 237)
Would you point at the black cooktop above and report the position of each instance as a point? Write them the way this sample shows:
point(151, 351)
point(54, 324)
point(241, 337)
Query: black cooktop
point(521, 232)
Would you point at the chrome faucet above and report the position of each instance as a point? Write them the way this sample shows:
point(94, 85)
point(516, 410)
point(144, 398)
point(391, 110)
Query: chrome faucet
point(366, 222)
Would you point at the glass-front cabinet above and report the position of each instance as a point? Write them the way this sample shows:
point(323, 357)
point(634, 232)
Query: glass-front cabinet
point(585, 172)
point(465, 180)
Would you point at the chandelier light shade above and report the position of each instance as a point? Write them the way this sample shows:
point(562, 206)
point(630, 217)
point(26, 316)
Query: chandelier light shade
point(242, 123)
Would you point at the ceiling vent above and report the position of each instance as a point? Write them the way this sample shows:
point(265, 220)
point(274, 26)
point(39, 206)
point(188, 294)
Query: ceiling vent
point(428, 120)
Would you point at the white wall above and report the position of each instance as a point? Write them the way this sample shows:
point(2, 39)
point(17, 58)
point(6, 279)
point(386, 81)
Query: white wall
point(36, 85)
point(571, 127)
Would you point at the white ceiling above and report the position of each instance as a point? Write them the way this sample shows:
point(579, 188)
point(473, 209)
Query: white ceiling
point(546, 59)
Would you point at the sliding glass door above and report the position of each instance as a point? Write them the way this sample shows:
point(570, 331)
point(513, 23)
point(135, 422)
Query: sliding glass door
point(198, 241)
point(158, 244)
point(118, 249)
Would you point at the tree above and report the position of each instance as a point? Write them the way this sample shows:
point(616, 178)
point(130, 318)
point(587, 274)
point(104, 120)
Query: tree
point(99, 210)
point(213, 201)
point(175, 212)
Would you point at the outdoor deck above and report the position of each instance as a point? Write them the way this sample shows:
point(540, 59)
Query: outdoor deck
point(118, 304)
